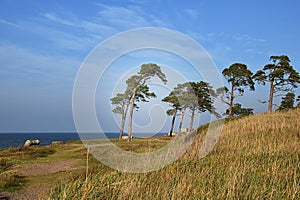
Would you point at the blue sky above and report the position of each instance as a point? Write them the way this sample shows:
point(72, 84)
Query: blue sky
point(43, 43)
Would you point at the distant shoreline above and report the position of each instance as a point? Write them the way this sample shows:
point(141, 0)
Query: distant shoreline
point(12, 140)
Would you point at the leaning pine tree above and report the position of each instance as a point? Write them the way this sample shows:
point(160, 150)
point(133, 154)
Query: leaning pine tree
point(135, 82)
point(281, 76)
point(173, 100)
point(182, 91)
point(201, 99)
point(122, 101)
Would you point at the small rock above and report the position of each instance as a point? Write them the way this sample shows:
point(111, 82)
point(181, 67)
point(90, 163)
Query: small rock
point(57, 142)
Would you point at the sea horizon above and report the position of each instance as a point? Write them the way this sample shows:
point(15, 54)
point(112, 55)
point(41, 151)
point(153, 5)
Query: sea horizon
point(17, 139)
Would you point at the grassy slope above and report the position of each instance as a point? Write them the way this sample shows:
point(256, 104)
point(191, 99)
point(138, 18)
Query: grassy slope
point(36, 169)
point(18, 167)
point(257, 157)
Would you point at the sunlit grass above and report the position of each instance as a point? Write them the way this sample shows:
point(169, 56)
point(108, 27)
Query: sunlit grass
point(257, 157)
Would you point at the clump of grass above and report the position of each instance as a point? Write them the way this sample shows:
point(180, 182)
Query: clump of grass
point(36, 153)
point(256, 157)
point(139, 145)
point(4, 164)
point(10, 181)
point(28, 153)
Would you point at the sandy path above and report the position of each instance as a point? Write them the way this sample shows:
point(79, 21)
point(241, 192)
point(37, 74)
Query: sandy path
point(37, 169)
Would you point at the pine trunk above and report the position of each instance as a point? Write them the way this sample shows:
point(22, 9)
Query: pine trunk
point(181, 120)
point(192, 120)
point(231, 100)
point(130, 116)
point(173, 122)
point(270, 106)
point(123, 121)
point(122, 127)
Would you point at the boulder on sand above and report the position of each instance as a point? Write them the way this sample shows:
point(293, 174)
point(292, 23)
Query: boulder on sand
point(31, 142)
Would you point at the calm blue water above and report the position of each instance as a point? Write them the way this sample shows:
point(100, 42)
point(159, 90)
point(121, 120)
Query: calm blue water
point(17, 139)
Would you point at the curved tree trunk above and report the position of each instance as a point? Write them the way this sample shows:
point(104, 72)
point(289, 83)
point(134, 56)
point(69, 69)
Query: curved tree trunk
point(122, 126)
point(181, 120)
point(123, 121)
point(130, 116)
point(173, 122)
point(192, 120)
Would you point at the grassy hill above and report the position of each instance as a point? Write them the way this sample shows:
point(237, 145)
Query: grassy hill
point(257, 157)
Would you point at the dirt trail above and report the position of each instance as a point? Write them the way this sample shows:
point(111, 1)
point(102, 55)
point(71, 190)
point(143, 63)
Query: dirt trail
point(44, 174)
point(38, 169)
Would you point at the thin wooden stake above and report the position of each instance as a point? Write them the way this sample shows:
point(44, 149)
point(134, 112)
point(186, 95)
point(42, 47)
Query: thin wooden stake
point(87, 165)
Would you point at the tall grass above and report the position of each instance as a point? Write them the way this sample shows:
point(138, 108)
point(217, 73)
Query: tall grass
point(10, 181)
point(257, 157)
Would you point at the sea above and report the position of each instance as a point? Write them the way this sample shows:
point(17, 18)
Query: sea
point(8, 140)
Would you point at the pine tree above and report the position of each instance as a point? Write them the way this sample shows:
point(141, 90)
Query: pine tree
point(287, 102)
point(281, 76)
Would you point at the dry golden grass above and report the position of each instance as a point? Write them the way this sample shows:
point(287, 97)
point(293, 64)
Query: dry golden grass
point(257, 157)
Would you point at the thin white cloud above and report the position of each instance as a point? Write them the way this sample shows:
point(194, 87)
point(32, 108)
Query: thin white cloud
point(53, 17)
point(124, 17)
point(85, 34)
point(191, 12)
point(108, 17)
point(247, 38)
point(3, 21)
point(23, 67)
point(72, 20)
